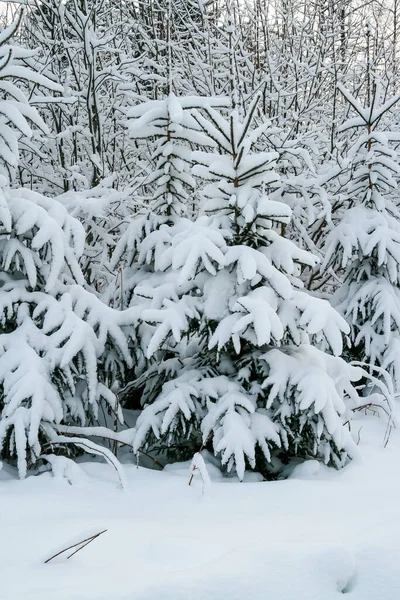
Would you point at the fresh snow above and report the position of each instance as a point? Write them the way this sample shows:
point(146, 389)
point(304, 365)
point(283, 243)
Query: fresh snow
point(315, 536)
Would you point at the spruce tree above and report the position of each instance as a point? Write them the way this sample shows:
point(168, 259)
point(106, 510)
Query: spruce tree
point(363, 246)
point(227, 330)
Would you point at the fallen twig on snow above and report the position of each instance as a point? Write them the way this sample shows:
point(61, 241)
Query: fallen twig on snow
point(82, 544)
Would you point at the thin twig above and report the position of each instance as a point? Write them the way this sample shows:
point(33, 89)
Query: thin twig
point(115, 449)
point(359, 436)
point(370, 405)
point(85, 542)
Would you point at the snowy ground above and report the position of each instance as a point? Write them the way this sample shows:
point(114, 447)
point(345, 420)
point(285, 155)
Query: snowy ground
point(314, 537)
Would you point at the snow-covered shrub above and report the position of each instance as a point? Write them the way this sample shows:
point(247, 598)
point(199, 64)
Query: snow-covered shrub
point(225, 327)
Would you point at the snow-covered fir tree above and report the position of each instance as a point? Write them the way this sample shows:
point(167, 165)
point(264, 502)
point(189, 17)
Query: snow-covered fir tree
point(227, 330)
point(54, 332)
point(364, 244)
point(164, 131)
point(166, 124)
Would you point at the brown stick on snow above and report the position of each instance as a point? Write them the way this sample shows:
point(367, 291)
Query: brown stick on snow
point(84, 543)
